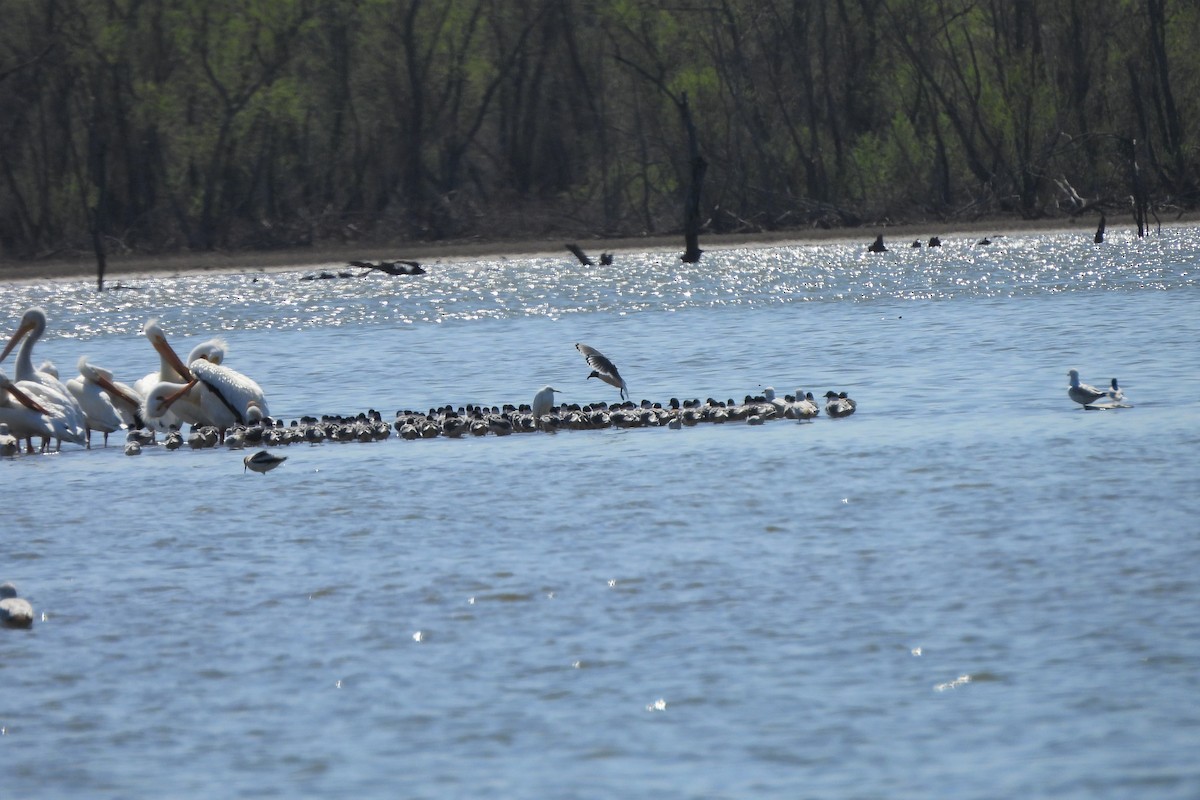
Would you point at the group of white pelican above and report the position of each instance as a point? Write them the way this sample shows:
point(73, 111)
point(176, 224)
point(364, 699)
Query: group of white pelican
point(36, 404)
point(222, 405)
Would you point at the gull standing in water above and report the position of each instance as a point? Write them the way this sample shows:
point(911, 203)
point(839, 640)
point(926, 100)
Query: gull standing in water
point(1086, 395)
point(805, 406)
point(603, 369)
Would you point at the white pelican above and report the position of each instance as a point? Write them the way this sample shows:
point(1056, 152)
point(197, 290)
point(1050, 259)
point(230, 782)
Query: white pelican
point(43, 385)
point(15, 612)
point(107, 405)
point(1084, 394)
point(9, 446)
point(38, 411)
point(22, 415)
point(210, 393)
point(172, 368)
point(839, 405)
point(33, 325)
point(603, 369)
point(169, 405)
point(262, 462)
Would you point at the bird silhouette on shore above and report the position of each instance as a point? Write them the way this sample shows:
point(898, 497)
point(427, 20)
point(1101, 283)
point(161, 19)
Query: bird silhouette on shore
point(398, 267)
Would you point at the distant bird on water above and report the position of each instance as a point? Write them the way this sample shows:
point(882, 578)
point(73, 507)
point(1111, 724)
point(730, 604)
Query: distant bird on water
point(603, 369)
point(9, 446)
point(15, 612)
point(837, 404)
point(262, 462)
point(1086, 395)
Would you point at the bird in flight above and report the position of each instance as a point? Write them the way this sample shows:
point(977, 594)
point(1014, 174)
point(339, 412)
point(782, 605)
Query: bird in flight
point(603, 369)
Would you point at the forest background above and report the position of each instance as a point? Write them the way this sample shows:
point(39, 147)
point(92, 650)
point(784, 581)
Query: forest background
point(163, 126)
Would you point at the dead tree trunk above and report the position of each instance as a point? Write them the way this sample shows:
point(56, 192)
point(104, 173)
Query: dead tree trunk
point(691, 203)
point(1141, 203)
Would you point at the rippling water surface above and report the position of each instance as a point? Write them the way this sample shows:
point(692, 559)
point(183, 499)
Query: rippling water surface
point(972, 588)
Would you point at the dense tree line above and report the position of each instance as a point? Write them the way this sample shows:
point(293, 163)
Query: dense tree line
point(157, 125)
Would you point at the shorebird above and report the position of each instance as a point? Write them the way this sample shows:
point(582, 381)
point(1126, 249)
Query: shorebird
point(1084, 394)
point(603, 369)
point(9, 446)
point(15, 612)
point(262, 462)
point(837, 404)
point(805, 406)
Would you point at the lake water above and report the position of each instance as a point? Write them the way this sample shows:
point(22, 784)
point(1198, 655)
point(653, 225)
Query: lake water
point(972, 588)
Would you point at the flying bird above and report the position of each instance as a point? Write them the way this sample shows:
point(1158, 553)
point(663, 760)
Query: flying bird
point(603, 369)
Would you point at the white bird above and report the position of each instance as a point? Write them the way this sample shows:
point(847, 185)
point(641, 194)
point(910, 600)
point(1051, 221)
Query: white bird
point(837, 404)
point(31, 328)
point(15, 612)
point(781, 406)
point(172, 367)
point(205, 391)
point(9, 446)
point(67, 417)
point(543, 401)
point(107, 405)
point(169, 405)
point(226, 396)
point(23, 415)
point(603, 369)
point(805, 406)
point(37, 412)
point(262, 462)
point(1084, 394)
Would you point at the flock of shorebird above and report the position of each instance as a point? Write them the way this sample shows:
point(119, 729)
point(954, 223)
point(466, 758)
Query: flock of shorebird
point(222, 406)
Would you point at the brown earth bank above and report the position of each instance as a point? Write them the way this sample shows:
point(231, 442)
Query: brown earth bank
point(333, 256)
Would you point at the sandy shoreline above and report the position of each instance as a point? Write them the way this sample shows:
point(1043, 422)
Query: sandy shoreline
point(331, 256)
